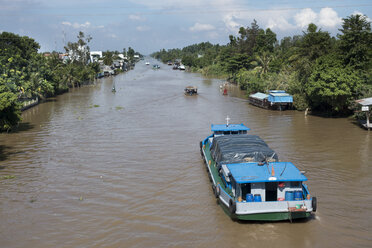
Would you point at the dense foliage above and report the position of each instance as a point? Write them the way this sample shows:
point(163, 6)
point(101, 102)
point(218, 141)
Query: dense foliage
point(323, 73)
point(27, 74)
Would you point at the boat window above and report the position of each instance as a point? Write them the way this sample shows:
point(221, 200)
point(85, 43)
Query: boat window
point(218, 132)
point(295, 184)
point(246, 189)
point(271, 191)
point(226, 132)
point(242, 131)
point(234, 132)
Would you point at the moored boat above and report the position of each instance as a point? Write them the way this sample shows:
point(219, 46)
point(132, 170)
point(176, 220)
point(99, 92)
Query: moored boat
point(249, 181)
point(275, 100)
point(191, 90)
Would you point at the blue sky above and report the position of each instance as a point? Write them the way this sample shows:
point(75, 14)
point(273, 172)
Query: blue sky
point(148, 26)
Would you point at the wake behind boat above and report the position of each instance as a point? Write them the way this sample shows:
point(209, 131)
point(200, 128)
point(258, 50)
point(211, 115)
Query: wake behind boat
point(248, 179)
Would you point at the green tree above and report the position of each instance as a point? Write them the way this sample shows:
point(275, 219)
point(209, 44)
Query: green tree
point(79, 51)
point(10, 108)
point(130, 54)
point(108, 58)
point(355, 42)
point(265, 41)
point(332, 87)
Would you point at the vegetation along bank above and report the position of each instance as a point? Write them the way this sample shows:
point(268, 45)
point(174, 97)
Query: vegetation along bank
point(27, 76)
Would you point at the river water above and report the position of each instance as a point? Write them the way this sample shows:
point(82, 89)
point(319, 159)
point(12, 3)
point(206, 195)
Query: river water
point(92, 168)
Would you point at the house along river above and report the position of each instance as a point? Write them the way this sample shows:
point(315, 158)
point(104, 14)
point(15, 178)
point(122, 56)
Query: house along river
point(92, 168)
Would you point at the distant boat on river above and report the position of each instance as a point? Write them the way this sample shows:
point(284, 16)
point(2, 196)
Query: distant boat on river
point(191, 90)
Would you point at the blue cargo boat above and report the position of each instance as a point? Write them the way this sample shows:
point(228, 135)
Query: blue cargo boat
point(249, 181)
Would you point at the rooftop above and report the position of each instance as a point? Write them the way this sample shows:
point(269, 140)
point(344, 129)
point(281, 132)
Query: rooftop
point(259, 95)
point(365, 101)
point(230, 127)
point(255, 173)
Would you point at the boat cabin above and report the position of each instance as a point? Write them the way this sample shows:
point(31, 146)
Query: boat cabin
point(264, 182)
point(228, 129)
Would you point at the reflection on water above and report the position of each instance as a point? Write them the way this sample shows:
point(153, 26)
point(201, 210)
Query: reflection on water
point(97, 169)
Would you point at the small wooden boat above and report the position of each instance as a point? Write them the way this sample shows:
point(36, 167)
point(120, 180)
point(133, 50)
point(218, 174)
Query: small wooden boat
point(191, 90)
point(249, 181)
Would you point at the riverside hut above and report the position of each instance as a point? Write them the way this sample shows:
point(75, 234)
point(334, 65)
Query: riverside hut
point(366, 107)
point(280, 100)
point(276, 99)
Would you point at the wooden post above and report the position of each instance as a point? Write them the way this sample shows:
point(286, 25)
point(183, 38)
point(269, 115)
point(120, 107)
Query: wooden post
point(367, 118)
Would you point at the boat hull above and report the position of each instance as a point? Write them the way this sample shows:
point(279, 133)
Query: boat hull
point(272, 216)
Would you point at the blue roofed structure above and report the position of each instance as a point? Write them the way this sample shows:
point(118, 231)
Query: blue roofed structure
point(279, 96)
point(230, 127)
point(254, 173)
point(259, 95)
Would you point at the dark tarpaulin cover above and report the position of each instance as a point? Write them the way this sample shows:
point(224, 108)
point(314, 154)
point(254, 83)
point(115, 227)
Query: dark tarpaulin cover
point(229, 149)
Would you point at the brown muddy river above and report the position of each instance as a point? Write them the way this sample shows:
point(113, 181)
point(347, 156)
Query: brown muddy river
point(96, 169)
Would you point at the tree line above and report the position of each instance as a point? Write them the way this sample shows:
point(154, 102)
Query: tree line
point(323, 73)
point(27, 74)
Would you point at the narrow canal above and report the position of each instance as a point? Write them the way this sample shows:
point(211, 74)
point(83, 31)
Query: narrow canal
point(93, 168)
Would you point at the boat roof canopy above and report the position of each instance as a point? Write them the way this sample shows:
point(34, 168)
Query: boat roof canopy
point(280, 96)
point(230, 127)
point(259, 95)
point(365, 101)
point(270, 172)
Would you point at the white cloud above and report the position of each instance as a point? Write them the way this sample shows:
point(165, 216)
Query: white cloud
point(305, 17)
point(143, 28)
point(279, 22)
point(328, 18)
point(360, 13)
point(82, 25)
point(230, 22)
point(201, 27)
point(77, 25)
point(136, 18)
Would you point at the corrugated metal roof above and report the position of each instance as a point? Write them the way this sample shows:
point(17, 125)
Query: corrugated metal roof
point(230, 127)
point(280, 94)
point(365, 101)
point(277, 91)
point(259, 95)
point(254, 173)
point(280, 97)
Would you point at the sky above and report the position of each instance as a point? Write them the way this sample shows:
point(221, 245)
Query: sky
point(149, 26)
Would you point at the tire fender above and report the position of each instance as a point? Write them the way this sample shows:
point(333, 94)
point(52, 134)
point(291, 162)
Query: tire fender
point(232, 206)
point(313, 204)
